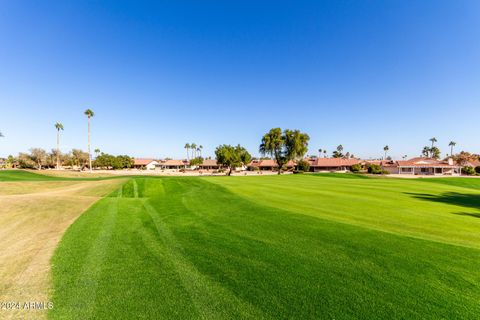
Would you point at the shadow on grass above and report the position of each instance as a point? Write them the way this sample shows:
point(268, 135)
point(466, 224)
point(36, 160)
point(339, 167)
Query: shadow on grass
point(460, 199)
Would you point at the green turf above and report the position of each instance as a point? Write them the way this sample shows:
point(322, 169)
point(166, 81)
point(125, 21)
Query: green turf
point(21, 175)
point(271, 247)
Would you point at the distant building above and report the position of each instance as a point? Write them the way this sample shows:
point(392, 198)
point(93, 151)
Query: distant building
point(148, 164)
point(331, 164)
point(472, 163)
point(428, 166)
point(267, 165)
point(173, 164)
point(209, 164)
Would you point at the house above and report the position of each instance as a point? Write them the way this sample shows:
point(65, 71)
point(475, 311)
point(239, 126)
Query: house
point(388, 165)
point(148, 164)
point(172, 164)
point(209, 164)
point(268, 165)
point(472, 163)
point(428, 166)
point(331, 164)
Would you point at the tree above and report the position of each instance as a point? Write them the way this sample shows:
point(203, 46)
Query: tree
point(59, 127)
point(11, 162)
point(79, 158)
point(284, 146)
point(108, 161)
point(97, 152)
point(338, 153)
point(89, 113)
point(385, 149)
point(357, 167)
point(426, 151)
point(39, 156)
point(200, 148)
point(433, 140)
point(435, 153)
point(187, 147)
point(194, 150)
point(232, 157)
point(463, 157)
point(196, 161)
point(320, 152)
point(303, 166)
point(25, 161)
point(451, 145)
point(468, 170)
point(324, 153)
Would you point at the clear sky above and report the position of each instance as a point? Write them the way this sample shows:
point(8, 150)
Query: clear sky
point(162, 73)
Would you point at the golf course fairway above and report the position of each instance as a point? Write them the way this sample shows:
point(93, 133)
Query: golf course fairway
point(273, 247)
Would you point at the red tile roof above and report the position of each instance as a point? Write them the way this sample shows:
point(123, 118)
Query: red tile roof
point(268, 163)
point(209, 163)
point(333, 162)
point(472, 163)
point(424, 162)
point(383, 163)
point(172, 162)
point(142, 162)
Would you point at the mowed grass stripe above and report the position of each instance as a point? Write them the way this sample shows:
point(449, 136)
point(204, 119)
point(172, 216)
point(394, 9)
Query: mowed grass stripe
point(404, 206)
point(198, 250)
point(211, 300)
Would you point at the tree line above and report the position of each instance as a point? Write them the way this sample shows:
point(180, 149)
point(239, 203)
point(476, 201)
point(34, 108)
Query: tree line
point(38, 158)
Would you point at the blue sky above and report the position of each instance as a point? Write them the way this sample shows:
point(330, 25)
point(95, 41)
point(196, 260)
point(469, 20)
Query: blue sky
point(162, 73)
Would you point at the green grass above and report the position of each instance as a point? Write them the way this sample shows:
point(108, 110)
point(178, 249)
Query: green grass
point(25, 175)
point(21, 175)
point(298, 246)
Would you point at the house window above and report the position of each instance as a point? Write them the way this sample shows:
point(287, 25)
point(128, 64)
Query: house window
point(407, 170)
point(424, 170)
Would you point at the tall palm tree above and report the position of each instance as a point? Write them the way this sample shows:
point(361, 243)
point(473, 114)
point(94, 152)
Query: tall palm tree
point(451, 145)
point(324, 153)
point(89, 113)
point(194, 150)
point(386, 148)
point(97, 152)
point(200, 149)
point(320, 152)
point(433, 140)
point(187, 147)
point(59, 127)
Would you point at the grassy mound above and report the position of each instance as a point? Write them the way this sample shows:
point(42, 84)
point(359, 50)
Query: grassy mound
point(21, 175)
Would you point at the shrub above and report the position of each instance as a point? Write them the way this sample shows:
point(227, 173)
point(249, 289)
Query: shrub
point(477, 170)
point(356, 167)
point(298, 171)
point(375, 169)
point(303, 166)
point(468, 171)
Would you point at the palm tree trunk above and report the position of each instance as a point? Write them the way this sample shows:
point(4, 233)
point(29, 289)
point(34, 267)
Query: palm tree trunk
point(89, 154)
point(58, 149)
